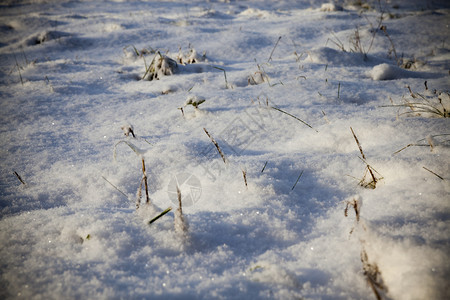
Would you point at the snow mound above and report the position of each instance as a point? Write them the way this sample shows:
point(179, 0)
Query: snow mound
point(254, 12)
point(45, 36)
point(414, 275)
point(330, 7)
point(390, 72)
point(268, 273)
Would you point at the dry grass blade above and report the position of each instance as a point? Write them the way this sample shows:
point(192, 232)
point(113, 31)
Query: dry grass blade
point(133, 147)
point(134, 49)
point(440, 177)
point(374, 181)
point(359, 145)
point(244, 174)
point(115, 187)
point(276, 44)
point(373, 275)
point(407, 146)
point(298, 119)
point(182, 110)
point(147, 68)
point(160, 215)
point(355, 204)
point(264, 166)
point(180, 224)
point(384, 29)
point(337, 42)
point(143, 183)
point(375, 30)
point(411, 92)
point(144, 179)
point(356, 42)
point(20, 178)
point(215, 144)
point(325, 117)
point(298, 178)
point(24, 56)
point(224, 74)
point(430, 142)
point(179, 200)
point(18, 69)
point(339, 90)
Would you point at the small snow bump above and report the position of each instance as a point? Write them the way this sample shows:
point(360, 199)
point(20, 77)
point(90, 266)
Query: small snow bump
point(328, 7)
point(389, 72)
point(384, 72)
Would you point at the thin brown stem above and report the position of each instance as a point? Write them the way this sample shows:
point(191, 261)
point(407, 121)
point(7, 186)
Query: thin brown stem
point(440, 177)
point(179, 200)
point(276, 44)
point(364, 158)
point(20, 178)
point(290, 115)
point(244, 174)
point(145, 182)
point(160, 215)
point(215, 144)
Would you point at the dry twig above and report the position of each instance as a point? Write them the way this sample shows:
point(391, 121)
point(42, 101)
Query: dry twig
point(215, 144)
point(20, 178)
point(440, 177)
point(160, 215)
point(373, 275)
point(371, 184)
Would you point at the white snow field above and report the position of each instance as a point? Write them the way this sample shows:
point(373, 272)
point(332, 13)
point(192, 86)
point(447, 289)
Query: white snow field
point(289, 91)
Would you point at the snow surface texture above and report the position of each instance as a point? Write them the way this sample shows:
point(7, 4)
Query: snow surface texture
point(266, 220)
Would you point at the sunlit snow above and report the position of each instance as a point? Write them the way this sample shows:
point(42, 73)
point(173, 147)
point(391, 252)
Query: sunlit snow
point(308, 142)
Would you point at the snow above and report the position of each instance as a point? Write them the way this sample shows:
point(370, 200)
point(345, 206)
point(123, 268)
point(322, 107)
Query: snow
point(277, 85)
point(330, 7)
point(389, 72)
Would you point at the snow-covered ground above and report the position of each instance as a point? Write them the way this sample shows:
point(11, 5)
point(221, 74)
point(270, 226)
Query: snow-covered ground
point(291, 210)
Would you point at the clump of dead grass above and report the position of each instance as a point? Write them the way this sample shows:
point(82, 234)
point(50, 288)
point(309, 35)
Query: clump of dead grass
point(432, 104)
point(160, 66)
